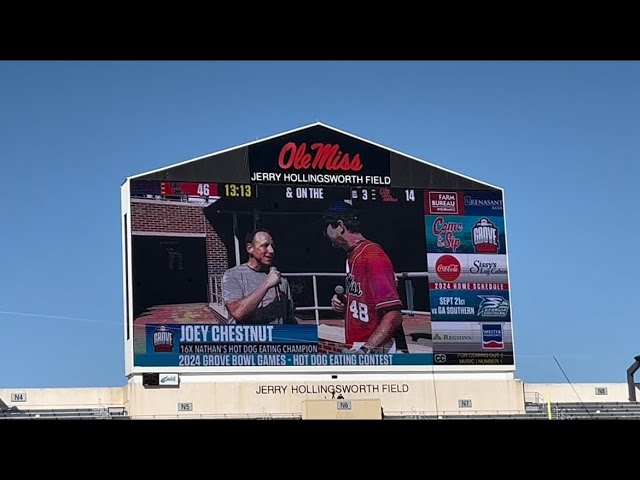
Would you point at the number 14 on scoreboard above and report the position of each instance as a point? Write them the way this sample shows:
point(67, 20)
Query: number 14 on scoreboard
point(383, 194)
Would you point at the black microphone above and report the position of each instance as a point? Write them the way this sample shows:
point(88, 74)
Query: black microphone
point(277, 285)
point(340, 293)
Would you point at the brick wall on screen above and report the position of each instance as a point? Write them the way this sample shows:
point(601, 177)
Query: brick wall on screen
point(180, 219)
point(217, 257)
point(162, 218)
point(327, 346)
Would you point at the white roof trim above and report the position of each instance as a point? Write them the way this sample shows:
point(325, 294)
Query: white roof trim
point(303, 128)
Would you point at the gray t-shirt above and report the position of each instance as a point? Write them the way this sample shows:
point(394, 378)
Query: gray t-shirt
point(240, 281)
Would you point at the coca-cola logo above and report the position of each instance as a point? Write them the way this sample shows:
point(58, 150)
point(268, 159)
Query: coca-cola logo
point(448, 268)
point(322, 156)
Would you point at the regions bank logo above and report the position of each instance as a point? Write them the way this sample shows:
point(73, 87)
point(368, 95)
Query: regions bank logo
point(484, 236)
point(162, 339)
point(448, 268)
point(452, 338)
point(492, 338)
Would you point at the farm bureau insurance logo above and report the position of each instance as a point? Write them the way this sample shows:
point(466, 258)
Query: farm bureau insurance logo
point(493, 306)
point(484, 236)
point(448, 268)
point(443, 203)
point(162, 339)
point(492, 338)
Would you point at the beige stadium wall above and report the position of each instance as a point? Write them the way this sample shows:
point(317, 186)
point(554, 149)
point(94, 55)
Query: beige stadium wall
point(45, 398)
point(341, 410)
point(199, 398)
point(578, 392)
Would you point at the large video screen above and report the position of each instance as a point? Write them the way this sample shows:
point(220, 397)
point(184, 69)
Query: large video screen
point(317, 261)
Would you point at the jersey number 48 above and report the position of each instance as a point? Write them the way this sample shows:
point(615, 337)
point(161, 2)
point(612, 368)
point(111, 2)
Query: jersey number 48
point(359, 311)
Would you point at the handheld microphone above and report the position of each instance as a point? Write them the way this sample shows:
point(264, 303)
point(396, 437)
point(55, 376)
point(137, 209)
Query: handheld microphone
point(277, 286)
point(340, 293)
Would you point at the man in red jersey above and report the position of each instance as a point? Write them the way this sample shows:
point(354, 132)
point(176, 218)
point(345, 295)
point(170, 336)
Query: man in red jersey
point(371, 302)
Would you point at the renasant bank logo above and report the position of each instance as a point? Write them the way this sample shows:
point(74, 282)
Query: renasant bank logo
point(492, 203)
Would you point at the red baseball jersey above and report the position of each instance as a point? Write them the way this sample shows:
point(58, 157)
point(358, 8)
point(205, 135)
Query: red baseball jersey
point(371, 286)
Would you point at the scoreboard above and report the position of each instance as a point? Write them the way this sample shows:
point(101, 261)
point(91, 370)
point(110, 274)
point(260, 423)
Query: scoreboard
point(384, 194)
point(447, 246)
point(198, 192)
point(174, 191)
point(443, 234)
point(177, 189)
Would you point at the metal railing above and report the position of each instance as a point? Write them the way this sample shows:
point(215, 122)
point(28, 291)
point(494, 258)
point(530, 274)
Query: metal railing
point(533, 397)
point(441, 414)
point(215, 291)
point(91, 413)
point(222, 416)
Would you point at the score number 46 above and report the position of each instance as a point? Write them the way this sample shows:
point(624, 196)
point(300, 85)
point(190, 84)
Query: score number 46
point(203, 189)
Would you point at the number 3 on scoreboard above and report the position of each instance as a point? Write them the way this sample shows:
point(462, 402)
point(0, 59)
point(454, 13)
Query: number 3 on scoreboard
point(359, 311)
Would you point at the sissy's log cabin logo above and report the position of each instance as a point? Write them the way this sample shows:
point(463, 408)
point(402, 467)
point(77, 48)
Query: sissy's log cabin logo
point(319, 163)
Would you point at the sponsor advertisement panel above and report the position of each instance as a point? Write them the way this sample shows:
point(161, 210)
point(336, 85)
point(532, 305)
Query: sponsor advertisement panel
point(472, 336)
point(468, 278)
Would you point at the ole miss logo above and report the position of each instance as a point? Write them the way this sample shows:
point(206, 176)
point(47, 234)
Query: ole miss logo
point(325, 157)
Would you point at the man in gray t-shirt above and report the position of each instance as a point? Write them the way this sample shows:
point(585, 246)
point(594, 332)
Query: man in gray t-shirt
point(255, 292)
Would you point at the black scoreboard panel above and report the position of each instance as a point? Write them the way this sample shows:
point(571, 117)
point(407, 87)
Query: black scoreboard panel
point(296, 197)
point(316, 198)
point(300, 198)
point(385, 195)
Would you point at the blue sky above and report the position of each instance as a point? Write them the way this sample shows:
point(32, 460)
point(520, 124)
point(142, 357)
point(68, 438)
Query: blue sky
point(562, 139)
